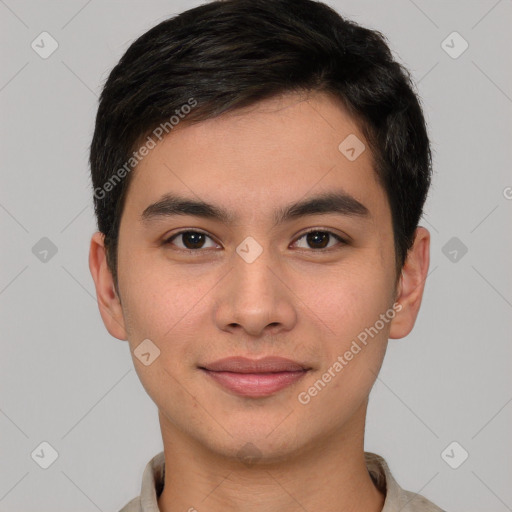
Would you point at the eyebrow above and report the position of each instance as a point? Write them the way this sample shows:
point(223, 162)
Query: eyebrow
point(339, 202)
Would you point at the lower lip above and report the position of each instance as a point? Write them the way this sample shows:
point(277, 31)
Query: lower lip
point(255, 384)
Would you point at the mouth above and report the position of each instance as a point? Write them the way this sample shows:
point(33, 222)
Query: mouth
point(255, 378)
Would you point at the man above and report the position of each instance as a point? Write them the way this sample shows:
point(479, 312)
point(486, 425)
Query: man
point(259, 170)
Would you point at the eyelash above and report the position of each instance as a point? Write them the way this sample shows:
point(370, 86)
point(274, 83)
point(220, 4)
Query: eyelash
point(169, 240)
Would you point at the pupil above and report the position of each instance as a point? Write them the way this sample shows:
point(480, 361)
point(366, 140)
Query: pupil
point(315, 237)
point(196, 239)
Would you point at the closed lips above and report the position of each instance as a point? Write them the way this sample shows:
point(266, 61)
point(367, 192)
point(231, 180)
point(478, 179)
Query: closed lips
point(247, 365)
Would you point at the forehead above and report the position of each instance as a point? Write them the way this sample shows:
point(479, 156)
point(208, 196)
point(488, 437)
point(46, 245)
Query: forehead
point(271, 153)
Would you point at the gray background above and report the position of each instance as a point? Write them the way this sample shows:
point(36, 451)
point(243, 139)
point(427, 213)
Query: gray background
point(66, 381)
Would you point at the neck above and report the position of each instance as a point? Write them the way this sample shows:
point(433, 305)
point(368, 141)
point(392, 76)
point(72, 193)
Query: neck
point(329, 475)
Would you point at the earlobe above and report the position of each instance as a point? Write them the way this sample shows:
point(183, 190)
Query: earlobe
point(412, 285)
point(107, 298)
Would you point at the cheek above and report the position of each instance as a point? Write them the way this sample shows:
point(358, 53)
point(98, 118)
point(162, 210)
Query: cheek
point(165, 304)
point(347, 300)
point(354, 342)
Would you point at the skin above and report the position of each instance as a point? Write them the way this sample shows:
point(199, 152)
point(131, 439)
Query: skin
point(292, 301)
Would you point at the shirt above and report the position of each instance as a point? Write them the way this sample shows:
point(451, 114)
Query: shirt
point(397, 500)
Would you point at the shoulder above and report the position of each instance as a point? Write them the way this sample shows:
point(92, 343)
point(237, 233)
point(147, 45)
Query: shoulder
point(396, 497)
point(132, 506)
point(412, 502)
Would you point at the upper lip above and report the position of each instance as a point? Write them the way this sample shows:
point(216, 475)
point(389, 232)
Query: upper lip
point(247, 365)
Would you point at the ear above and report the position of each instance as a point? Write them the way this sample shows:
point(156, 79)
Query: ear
point(108, 300)
point(411, 285)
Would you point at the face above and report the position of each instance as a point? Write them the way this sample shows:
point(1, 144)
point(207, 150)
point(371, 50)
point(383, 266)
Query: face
point(253, 277)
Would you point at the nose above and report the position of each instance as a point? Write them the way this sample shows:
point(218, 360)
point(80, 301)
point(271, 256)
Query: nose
point(256, 298)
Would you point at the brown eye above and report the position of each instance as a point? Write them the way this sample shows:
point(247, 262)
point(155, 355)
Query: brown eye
point(191, 240)
point(318, 239)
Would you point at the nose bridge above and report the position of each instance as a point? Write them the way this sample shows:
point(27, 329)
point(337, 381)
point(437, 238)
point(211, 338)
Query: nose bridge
point(253, 281)
point(253, 296)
